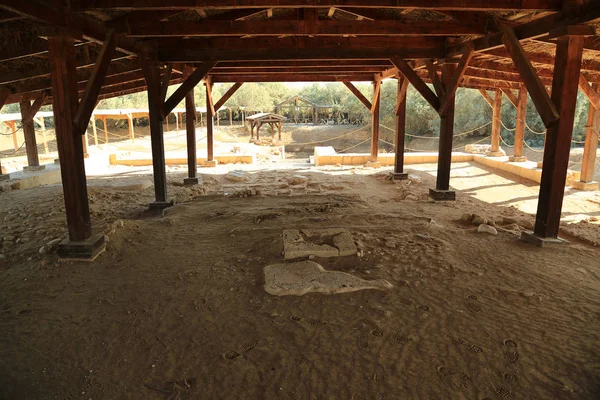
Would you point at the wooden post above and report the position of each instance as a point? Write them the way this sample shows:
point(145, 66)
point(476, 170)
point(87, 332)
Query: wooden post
point(251, 130)
point(153, 83)
point(209, 124)
point(258, 125)
point(61, 52)
point(375, 126)
point(279, 129)
point(400, 129)
point(33, 160)
point(565, 82)
point(13, 127)
point(588, 162)
point(43, 125)
point(315, 116)
point(167, 121)
point(93, 121)
point(84, 143)
point(200, 118)
point(496, 124)
point(230, 117)
point(190, 124)
point(217, 117)
point(130, 126)
point(520, 126)
point(105, 130)
point(442, 187)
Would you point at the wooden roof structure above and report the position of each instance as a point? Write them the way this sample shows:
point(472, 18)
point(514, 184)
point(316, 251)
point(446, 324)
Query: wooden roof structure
point(294, 100)
point(266, 117)
point(72, 53)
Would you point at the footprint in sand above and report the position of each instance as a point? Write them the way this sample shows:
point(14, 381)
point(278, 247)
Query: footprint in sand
point(510, 378)
point(296, 318)
point(363, 341)
point(473, 304)
point(401, 339)
point(230, 355)
point(456, 380)
point(379, 374)
point(406, 302)
point(250, 345)
point(377, 332)
point(511, 356)
point(422, 308)
point(503, 393)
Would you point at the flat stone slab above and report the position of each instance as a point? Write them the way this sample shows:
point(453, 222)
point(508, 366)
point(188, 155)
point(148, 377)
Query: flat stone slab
point(297, 279)
point(329, 242)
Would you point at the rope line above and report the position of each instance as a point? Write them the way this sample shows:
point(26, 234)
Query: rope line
point(532, 131)
point(356, 145)
point(337, 137)
point(435, 137)
point(531, 148)
point(12, 133)
point(506, 144)
point(507, 128)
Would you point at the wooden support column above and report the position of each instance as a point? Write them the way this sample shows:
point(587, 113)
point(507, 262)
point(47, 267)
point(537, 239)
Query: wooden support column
point(496, 125)
point(13, 128)
point(84, 143)
point(400, 129)
point(93, 121)
point(258, 125)
point(210, 121)
point(230, 117)
point(519, 141)
point(442, 187)
point(375, 125)
point(130, 126)
point(153, 83)
point(190, 128)
point(588, 162)
point(33, 160)
point(105, 130)
point(279, 129)
point(81, 243)
point(565, 83)
point(43, 125)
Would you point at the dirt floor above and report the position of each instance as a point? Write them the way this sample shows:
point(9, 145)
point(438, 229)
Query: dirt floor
point(175, 308)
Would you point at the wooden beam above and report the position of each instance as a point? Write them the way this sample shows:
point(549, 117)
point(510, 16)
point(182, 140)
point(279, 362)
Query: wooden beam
point(400, 111)
point(497, 5)
point(4, 93)
point(588, 161)
point(94, 85)
point(155, 115)
point(452, 85)
point(190, 128)
point(365, 77)
point(376, 93)
point(496, 122)
point(557, 149)
point(33, 159)
point(446, 133)
point(34, 108)
point(358, 95)
point(227, 95)
point(164, 85)
point(534, 85)
point(416, 81)
point(70, 146)
point(592, 95)
point(486, 96)
point(303, 28)
point(435, 80)
point(194, 78)
point(511, 97)
point(265, 54)
point(210, 121)
point(521, 123)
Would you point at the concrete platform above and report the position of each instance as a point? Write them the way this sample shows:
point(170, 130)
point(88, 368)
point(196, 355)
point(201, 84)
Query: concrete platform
point(50, 175)
point(160, 205)
point(132, 161)
point(85, 250)
point(530, 237)
point(442, 195)
point(586, 186)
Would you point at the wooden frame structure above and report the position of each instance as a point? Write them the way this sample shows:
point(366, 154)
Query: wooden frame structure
point(104, 48)
point(295, 102)
point(260, 119)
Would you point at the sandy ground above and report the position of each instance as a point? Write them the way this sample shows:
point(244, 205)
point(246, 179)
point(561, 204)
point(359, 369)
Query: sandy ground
point(175, 308)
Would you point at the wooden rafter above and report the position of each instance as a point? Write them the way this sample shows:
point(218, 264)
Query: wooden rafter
point(416, 81)
point(401, 95)
point(35, 107)
point(4, 93)
point(94, 85)
point(359, 95)
point(227, 95)
point(209, 98)
point(590, 93)
point(532, 81)
point(511, 97)
point(486, 96)
point(376, 94)
point(194, 78)
point(435, 80)
point(164, 84)
point(452, 85)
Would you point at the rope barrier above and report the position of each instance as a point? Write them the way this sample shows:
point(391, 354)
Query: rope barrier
point(479, 141)
point(435, 137)
point(12, 133)
point(508, 129)
point(506, 144)
point(532, 131)
point(337, 137)
point(356, 145)
point(531, 148)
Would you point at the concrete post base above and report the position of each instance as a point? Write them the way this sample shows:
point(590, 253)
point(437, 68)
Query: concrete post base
point(587, 186)
point(495, 154)
point(399, 176)
point(517, 158)
point(85, 250)
point(373, 164)
point(211, 163)
point(190, 181)
point(34, 168)
point(160, 205)
point(443, 195)
point(530, 237)
point(4, 177)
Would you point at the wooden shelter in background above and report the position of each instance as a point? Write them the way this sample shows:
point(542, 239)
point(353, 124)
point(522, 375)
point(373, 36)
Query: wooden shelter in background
point(297, 103)
point(258, 120)
point(73, 53)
